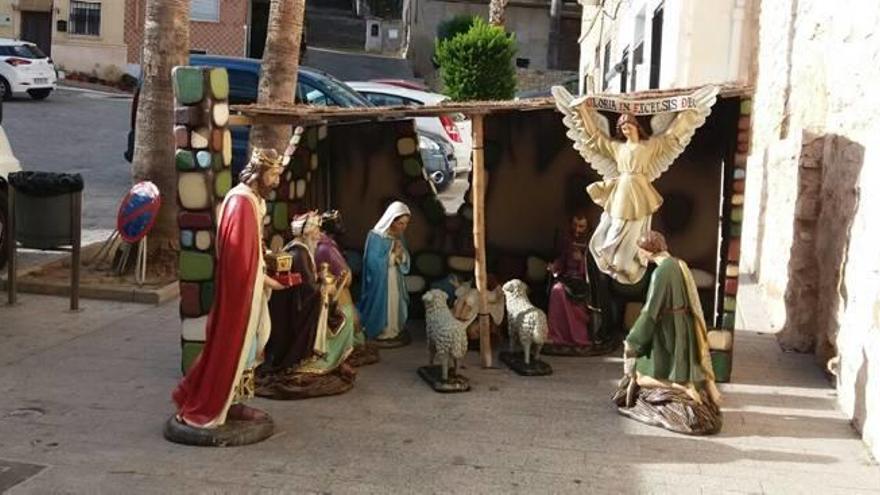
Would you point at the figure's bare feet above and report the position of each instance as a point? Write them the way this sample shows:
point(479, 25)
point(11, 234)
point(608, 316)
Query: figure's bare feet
point(241, 412)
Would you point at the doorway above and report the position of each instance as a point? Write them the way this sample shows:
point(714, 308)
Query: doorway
point(36, 27)
point(257, 31)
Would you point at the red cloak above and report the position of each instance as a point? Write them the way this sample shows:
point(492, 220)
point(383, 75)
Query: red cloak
point(203, 393)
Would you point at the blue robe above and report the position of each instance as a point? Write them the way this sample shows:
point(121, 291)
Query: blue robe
point(373, 304)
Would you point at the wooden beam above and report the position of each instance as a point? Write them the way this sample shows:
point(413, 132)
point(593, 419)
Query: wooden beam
point(478, 200)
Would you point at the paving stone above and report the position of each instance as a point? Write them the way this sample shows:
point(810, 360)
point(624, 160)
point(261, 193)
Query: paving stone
point(188, 84)
point(216, 144)
point(204, 159)
point(203, 240)
point(418, 188)
point(280, 216)
point(181, 136)
point(729, 303)
point(189, 116)
point(433, 210)
point(220, 114)
point(218, 83)
point(200, 138)
point(187, 238)
point(193, 329)
point(412, 167)
point(195, 220)
point(415, 283)
point(188, 354)
point(195, 266)
point(184, 160)
point(730, 286)
point(206, 296)
point(190, 300)
point(461, 263)
point(227, 147)
point(430, 264)
point(736, 215)
point(406, 146)
point(222, 183)
point(192, 189)
point(536, 269)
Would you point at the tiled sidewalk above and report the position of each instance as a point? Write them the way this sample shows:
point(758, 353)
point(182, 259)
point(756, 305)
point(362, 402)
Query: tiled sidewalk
point(85, 396)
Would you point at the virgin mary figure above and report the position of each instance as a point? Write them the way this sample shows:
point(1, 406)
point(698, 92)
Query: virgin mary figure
point(384, 298)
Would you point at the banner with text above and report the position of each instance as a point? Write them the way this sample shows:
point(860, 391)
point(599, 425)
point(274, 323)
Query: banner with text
point(639, 107)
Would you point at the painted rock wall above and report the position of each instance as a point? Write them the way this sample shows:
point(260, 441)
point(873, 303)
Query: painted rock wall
point(203, 159)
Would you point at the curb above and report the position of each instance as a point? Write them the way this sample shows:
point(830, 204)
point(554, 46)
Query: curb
point(27, 284)
point(77, 89)
point(100, 292)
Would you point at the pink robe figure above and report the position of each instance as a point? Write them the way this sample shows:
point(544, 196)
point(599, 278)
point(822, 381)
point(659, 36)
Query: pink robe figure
point(567, 311)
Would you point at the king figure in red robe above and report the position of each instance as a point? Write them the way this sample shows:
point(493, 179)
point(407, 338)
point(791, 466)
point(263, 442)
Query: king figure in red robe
point(222, 377)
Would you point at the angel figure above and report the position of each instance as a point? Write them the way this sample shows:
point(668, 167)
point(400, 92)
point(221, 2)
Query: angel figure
point(628, 168)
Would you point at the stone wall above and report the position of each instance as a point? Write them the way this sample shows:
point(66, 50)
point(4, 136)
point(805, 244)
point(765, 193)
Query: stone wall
point(809, 240)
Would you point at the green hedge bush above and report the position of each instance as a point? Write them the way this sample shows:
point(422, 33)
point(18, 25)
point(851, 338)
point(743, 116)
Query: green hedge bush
point(478, 64)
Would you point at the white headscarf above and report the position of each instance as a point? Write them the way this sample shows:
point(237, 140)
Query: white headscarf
point(394, 211)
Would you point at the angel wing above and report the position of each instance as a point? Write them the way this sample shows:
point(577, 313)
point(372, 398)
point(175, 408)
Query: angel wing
point(669, 143)
point(660, 122)
point(588, 144)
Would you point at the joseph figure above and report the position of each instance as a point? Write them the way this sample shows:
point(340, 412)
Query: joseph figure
point(668, 376)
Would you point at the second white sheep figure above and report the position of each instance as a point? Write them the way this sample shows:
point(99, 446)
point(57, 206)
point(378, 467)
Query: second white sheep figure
point(525, 322)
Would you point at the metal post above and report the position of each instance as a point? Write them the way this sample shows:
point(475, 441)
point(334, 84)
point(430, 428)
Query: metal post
point(11, 245)
point(76, 231)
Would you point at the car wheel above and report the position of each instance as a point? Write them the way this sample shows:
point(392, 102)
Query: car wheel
point(5, 89)
point(4, 238)
point(39, 94)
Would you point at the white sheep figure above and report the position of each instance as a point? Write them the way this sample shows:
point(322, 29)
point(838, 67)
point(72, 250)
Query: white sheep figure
point(447, 336)
point(525, 322)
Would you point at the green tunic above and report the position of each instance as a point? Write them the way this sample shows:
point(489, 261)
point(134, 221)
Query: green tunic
point(663, 336)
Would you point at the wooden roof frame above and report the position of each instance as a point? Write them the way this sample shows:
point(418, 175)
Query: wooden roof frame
point(316, 115)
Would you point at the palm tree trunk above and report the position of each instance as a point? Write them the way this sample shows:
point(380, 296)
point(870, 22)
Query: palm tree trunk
point(496, 12)
point(166, 44)
point(279, 70)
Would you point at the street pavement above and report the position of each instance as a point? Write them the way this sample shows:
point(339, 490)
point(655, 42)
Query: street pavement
point(76, 131)
point(349, 66)
point(85, 395)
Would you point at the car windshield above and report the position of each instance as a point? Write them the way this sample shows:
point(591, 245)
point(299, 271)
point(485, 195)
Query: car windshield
point(26, 51)
point(342, 94)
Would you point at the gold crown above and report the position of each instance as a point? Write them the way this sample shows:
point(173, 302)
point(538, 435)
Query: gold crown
point(267, 157)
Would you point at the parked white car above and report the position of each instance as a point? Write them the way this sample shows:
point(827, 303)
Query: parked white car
point(8, 164)
point(24, 68)
point(455, 127)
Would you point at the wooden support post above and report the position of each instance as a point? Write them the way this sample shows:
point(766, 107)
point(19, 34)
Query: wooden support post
point(478, 200)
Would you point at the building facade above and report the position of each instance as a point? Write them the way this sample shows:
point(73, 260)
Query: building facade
point(104, 37)
point(646, 44)
point(530, 20)
point(218, 27)
point(810, 238)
